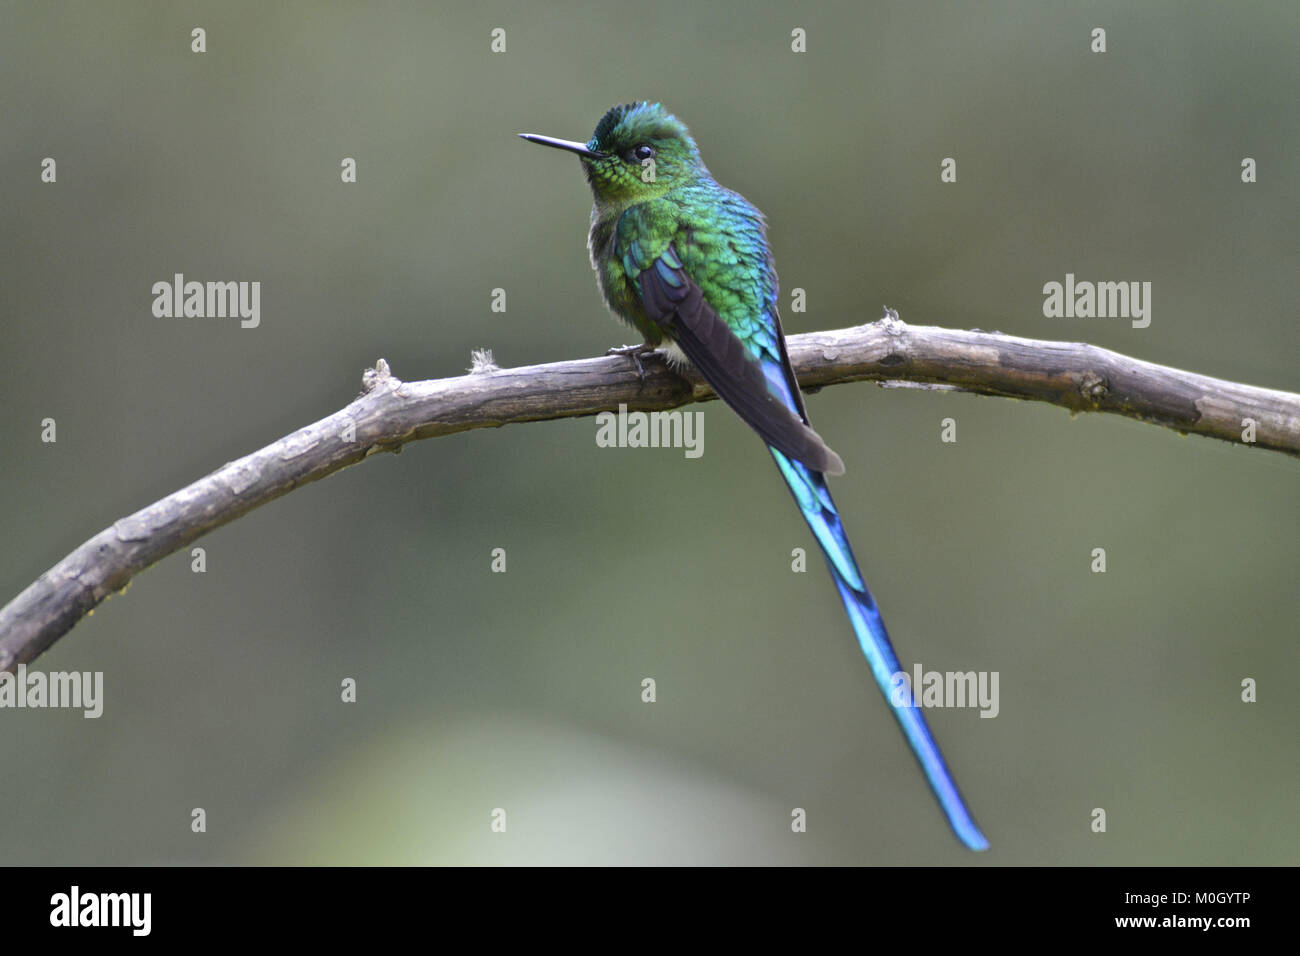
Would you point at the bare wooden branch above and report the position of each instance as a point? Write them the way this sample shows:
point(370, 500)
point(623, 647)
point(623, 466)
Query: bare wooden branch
point(391, 413)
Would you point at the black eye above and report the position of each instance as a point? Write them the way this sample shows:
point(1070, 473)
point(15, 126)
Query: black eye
point(643, 152)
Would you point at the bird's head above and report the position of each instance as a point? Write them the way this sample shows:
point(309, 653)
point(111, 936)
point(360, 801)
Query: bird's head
point(638, 151)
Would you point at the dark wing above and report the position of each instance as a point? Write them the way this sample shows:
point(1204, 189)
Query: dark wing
point(672, 299)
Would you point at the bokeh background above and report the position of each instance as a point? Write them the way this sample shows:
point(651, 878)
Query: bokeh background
point(522, 690)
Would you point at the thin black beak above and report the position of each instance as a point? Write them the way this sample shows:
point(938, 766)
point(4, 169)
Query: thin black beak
point(579, 148)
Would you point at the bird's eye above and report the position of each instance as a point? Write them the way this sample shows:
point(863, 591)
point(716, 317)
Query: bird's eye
point(643, 152)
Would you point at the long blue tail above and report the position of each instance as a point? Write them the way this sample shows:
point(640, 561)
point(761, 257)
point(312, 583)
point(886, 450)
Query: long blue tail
point(814, 500)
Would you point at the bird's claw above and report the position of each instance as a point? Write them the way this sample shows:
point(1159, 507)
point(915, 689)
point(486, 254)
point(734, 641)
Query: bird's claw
point(634, 352)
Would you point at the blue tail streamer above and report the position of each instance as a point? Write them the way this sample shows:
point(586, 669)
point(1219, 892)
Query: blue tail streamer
point(814, 499)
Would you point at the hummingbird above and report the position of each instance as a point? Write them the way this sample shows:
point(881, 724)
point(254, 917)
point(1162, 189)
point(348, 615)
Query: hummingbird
point(686, 263)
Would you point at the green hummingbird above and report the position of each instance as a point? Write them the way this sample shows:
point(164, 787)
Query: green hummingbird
point(686, 263)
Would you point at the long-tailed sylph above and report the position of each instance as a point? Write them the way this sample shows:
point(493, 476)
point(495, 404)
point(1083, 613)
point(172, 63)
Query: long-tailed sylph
point(686, 263)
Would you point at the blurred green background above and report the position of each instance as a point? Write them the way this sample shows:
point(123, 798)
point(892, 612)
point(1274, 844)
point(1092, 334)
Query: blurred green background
point(522, 690)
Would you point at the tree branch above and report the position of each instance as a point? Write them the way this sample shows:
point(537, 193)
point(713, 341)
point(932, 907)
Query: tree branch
point(390, 413)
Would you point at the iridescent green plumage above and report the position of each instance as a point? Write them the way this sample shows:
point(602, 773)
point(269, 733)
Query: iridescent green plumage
point(686, 262)
point(659, 218)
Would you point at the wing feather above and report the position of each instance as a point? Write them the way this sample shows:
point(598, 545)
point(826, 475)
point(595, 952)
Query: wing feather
point(672, 299)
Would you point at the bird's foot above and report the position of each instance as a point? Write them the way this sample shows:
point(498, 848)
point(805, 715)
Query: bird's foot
point(634, 352)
